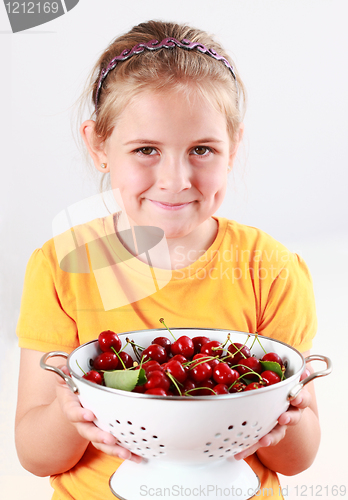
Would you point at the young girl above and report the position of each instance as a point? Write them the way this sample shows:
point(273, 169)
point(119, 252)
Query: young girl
point(165, 130)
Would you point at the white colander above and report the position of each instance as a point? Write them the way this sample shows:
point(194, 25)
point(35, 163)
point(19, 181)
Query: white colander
point(187, 443)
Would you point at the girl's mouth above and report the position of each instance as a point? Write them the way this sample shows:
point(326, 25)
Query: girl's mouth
point(170, 206)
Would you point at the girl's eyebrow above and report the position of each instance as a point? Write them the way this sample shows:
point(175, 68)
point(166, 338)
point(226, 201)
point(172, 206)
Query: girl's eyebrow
point(157, 143)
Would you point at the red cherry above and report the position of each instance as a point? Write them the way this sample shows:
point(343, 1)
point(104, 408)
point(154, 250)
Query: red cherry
point(207, 385)
point(139, 388)
point(150, 366)
point(246, 365)
point(252, 386)
point(180, 358)
point(212, 348)
point(237, 387)
point(108, 339)
point(209, 359)
point(188, 387)
point(269, 377)
point(223, 374)
point(239, 352)
point(126, 358)
point(155, 352)
point(183, 346)
point(94, 376)
point(175, 368)
point(200, 372)
point(221, 389)
point(106, 361)
point(164, 342)
point(198, 342)
point(157, 379)
point(156, 392)
point(272, 356)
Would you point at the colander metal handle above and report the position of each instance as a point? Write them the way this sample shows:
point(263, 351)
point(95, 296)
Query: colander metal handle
point(68, 380)
point(315, 357)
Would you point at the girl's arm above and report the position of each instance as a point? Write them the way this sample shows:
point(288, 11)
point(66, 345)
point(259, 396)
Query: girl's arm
point(292, 445)
point(52, 429)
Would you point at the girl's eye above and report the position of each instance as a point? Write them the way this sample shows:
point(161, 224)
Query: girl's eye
point(146, 151)
point(201, 150)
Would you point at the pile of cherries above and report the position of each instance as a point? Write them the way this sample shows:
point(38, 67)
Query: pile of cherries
point(188, 367)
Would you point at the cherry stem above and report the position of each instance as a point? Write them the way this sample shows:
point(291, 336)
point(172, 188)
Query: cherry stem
point(238, 350)
point(257, 338)
point(199, 361)
point(119, 357)
point(134, 345)
point(163, 323)
point(198, 388)
point(228, 339)
point(81, 368)
point(170, 376)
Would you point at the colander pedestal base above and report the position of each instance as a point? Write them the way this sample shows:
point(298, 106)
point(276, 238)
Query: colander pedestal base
point(224, 478)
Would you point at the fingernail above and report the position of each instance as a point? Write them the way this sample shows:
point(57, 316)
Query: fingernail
point(286, 420)
point(86, 416)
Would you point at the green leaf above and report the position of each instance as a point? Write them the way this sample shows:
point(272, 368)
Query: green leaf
point(273, 366)
point(125, 380)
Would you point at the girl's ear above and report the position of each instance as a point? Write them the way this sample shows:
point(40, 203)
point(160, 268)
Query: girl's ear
point(235, 146)
point(94, 146)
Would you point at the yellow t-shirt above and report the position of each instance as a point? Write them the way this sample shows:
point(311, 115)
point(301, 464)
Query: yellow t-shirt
point(245, 281)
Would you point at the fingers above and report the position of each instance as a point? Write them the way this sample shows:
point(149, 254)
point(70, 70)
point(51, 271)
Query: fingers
point(117, 451)
point(83, 419)
point(271, 439)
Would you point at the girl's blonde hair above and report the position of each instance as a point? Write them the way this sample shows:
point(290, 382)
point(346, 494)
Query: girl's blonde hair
point(165, 70)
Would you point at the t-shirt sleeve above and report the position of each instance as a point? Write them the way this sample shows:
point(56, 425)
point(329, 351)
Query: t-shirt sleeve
point(289, 313)
point(43, 325)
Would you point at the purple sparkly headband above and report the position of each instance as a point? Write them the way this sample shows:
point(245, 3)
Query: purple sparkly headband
point(167, 43)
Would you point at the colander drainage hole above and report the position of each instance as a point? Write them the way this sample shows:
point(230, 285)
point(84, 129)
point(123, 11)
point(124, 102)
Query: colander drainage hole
point(240, 434)
point(135, 441)
point(211, 456)
point(144, 439)
point(118, 421)
point(226, 439)
point(111, 425)
point(148, 448)
point(254, 424)
point(221, 447)
point(143, 428)
point(217, 435)
point(155, 437)
point(206, 451)
point(208, 444)
point(132, 433)
point(244, 423)
point(246, 437)
point(258, 430)
point(129, 423)
point(161, 445)
point(228, 450)
point(122, 433)
point(230, 427)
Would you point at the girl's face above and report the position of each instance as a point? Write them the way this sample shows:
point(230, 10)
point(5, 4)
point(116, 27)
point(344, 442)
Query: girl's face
point(170, 157)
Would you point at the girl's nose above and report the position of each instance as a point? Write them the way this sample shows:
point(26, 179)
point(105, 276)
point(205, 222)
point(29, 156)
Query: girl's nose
point(174, 175)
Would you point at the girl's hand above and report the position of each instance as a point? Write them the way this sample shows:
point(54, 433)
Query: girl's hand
point(291, 417)
point(82, 419)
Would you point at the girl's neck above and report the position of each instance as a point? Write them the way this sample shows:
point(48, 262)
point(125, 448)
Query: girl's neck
point(183, 251)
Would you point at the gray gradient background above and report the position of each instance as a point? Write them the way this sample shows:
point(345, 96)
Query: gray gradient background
point(290, 178)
